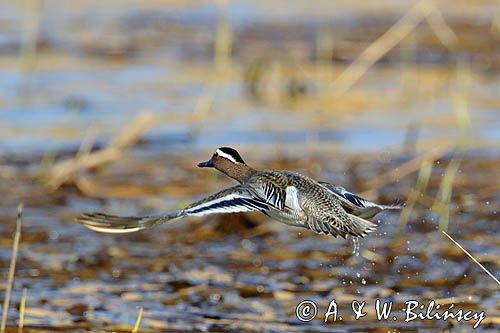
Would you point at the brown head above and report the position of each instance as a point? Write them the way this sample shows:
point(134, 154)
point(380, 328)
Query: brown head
point(228, 161)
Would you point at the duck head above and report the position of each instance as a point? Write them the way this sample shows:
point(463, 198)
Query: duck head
point(228, 161)
point(221, 156)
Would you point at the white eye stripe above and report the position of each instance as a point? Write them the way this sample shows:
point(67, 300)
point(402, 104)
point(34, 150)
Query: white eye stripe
point(225, 155)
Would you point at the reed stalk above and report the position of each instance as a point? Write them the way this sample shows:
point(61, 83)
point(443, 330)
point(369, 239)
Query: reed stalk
point(138, 321)
point(463, 119)
point(12, 268)
point(424, 175)
point(223, 37)
point(29, 38)
point(373, 53)
point(22, 310)
point(472, 257)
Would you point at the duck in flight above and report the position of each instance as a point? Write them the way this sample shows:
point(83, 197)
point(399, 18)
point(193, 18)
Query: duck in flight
point(285, 196)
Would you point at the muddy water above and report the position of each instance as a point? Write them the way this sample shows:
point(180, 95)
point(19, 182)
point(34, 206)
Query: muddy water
point(99, 65)
point(244, 272)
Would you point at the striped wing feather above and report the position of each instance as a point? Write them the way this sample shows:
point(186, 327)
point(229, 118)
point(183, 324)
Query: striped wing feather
point(231, 200)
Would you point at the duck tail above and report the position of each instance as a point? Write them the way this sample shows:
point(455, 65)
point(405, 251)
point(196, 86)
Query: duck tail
point(361, 227)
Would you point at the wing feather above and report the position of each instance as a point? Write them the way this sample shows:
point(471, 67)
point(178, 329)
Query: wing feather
point(327, 215)
point(231, 200)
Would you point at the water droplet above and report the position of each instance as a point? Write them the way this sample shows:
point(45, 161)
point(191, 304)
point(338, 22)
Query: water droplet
point(53, 235)
point(247, 244)
point(355, 243)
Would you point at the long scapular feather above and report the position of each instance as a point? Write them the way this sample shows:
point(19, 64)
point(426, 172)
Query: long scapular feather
point(355, 204)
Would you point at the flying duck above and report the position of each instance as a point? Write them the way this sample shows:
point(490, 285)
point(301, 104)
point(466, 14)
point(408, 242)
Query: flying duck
point(285, 196)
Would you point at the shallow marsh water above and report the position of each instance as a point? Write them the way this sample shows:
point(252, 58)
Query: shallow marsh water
point(242, 272)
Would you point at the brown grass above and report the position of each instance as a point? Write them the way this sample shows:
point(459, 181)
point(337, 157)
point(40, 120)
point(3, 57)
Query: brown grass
point(67, 170)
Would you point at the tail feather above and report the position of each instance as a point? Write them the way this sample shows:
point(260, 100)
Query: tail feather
point(360, 227)
point(122, 224)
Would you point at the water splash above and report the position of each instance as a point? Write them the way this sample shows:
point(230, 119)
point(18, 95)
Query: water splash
point(355, 244)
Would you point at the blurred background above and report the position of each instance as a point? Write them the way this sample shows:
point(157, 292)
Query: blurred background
point(109, 105)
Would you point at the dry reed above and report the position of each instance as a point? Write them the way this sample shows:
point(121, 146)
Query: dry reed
point(381, 46)
point(424, 10)
point(12, 268)
point(442, 205)
point(424, 175)
point(29, 37)
point(66, 170)
point(223, 37)
point(404, 170)
point(441, 29)
point(22, 310)
point(462, 115)
point(470, 256)
point(138, 321)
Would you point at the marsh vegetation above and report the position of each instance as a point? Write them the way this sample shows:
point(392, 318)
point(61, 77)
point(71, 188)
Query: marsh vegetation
point(108, 106)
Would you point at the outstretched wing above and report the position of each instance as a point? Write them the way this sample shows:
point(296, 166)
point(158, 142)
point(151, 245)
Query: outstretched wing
point(354, 204)
point(231, 200)
point(122, 224)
